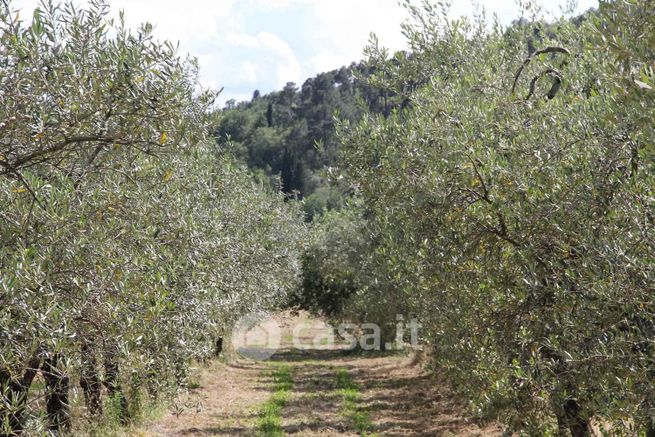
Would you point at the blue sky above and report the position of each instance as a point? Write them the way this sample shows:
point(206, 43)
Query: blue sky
point(243, 45)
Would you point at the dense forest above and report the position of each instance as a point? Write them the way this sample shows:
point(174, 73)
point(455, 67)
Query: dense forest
point(289, 137)
point(497, 183)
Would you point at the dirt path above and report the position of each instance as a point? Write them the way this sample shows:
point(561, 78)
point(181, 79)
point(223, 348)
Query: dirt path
point(224, 404)
point(386, 395)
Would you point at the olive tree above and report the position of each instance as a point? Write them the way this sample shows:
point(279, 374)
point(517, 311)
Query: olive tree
point(512, 204)
point(129, 241)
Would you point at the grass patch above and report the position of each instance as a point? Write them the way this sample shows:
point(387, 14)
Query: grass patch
point(352, 410)
point(193, 384)
point(269, 423)
point(141, 412)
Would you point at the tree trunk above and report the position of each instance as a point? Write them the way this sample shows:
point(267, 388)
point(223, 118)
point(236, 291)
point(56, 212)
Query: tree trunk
point(57, 387)
point(114, 389)
point(569, 414)
point(90, 381)
point(650, 430)
point(219, 346)
point(569, 419)
point(151, 385)
point(13, 398)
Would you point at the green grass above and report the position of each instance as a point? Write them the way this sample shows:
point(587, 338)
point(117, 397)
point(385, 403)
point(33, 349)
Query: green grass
point(352, 410)
point(269, 423)
point(141, 412)
point(193, 384)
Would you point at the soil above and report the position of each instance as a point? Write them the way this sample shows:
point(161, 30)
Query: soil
point(398, 395)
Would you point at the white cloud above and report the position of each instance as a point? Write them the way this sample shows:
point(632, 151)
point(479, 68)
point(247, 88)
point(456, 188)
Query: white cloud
point(273, 4)
point(271, 49)
point(251, 72)
point(344, 27)
point(289, 67)
point(326, 61)
point(248, 44)
point(243, 40)
point(187, 21)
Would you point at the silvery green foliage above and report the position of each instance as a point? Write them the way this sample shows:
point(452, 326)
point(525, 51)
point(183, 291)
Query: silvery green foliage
point(512, 210)
point(127, 238)
point(332, 263)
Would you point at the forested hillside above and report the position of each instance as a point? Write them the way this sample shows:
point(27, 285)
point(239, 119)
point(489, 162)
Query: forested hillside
point(289, 137)
point(291, 133)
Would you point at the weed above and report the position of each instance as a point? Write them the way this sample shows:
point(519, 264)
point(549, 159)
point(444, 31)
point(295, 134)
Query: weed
point(269, 423)
point(352, 410)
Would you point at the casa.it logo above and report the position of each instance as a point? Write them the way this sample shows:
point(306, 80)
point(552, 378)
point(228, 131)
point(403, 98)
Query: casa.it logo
point(256, 336)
